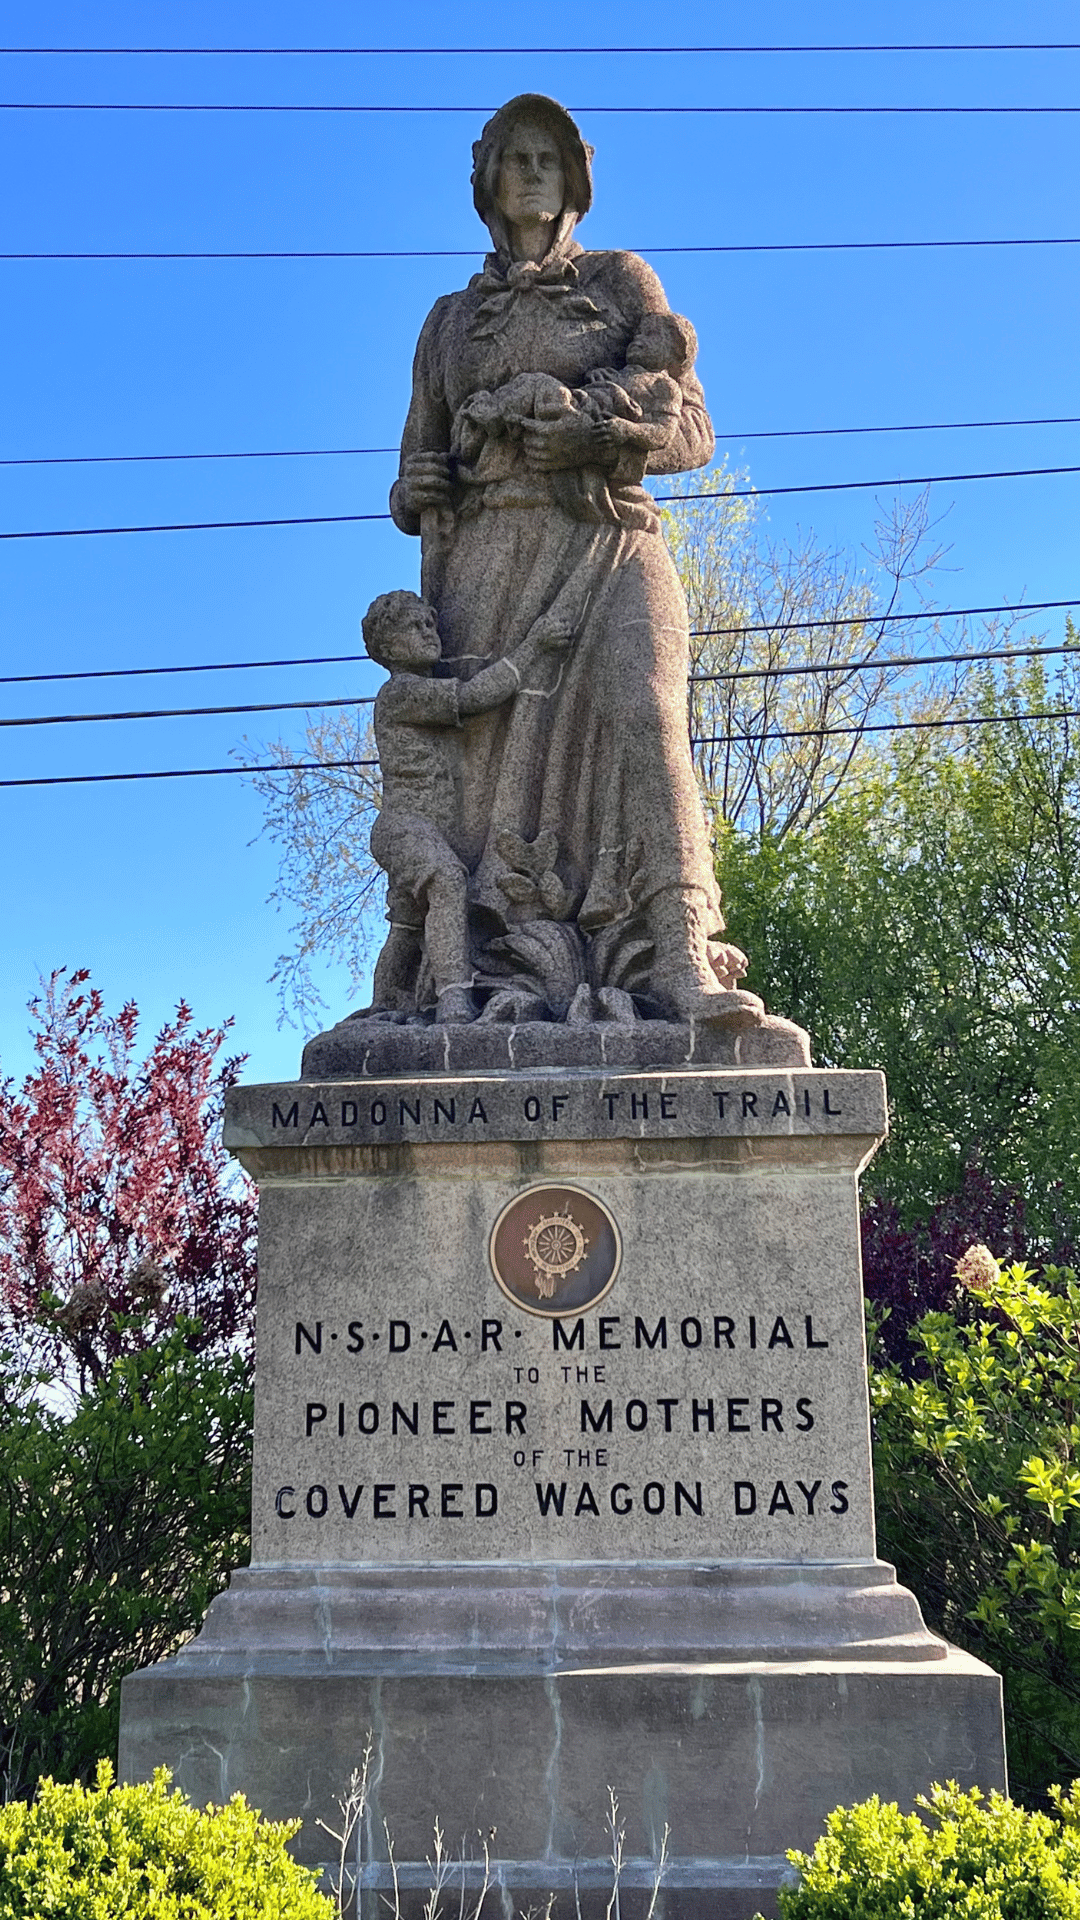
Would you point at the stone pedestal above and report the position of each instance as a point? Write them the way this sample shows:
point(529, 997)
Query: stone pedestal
point(562, 1484)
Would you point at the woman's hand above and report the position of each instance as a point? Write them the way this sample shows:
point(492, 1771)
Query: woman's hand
point(424, 483)
point(571, 441)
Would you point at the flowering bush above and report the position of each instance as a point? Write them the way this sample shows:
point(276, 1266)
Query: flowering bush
point(127, 1280)
point(120, 1211)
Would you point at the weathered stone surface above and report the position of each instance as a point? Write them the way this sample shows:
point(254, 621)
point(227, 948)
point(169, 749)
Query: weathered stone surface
point(358, 1048)
point(712, 1406)
point(544, 1618)
point(704, 1627)
point(757, 1105)
point(545, 847)
point(741, 1761)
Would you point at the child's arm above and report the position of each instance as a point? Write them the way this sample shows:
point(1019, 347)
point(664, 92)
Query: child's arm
point(501, 681)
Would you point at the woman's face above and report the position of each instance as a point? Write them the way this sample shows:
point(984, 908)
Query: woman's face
point(531, 183)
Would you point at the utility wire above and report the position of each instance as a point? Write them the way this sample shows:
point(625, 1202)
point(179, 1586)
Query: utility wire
point(195, 526)
point(321, 453)
point(872, 620)
point(923, 426)
point(203, 666)
point(695, 679)
point(273, 453)
point(182, 713)
point(949, 46)
point(475, 253)
point(848, 486)
point(739, 111)
point(719, 739)
point(348, 519)
point(696, 633)
point(864, 666)
point(185, 773)
point(884, 726)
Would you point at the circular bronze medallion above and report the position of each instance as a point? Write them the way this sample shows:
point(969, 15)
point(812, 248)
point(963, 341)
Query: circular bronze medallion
point(555, 1250)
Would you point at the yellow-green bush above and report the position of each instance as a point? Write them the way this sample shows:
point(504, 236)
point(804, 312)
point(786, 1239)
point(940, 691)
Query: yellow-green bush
point(967, 1858)
point(92, 1853)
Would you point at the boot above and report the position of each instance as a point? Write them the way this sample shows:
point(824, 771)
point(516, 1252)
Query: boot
point(683, 978)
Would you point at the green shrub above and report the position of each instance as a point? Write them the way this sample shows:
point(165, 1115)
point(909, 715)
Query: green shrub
point(120, 1519)
point(977, 1468)
point(970, 1859)
point(91, 1853)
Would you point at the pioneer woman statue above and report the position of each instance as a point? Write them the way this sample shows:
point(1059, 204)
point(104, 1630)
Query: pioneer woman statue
point(543, 393)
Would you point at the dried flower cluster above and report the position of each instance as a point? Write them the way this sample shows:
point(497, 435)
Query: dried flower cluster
point(977, 1269)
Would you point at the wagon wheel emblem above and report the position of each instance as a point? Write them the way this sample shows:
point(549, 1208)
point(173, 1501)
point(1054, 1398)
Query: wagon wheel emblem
point(556, 1246)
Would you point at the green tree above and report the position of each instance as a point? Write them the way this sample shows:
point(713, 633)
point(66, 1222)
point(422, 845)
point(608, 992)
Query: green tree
point(119, 1522)
point(929, 924)
point(127, 1281)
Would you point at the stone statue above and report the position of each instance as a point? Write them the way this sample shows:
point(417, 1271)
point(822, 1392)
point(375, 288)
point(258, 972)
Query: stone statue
point(545, 843)
point(414, 837)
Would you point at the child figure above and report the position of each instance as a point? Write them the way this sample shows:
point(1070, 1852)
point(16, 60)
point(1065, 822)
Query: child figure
point(645, 395)
point(416, 720)
point(641, 402)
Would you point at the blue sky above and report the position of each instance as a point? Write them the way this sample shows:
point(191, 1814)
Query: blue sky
point(161, 888)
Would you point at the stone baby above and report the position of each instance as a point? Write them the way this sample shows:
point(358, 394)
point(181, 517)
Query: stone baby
point(639, 404)
point(636, 405)
point(417, 731)
point(631, 412)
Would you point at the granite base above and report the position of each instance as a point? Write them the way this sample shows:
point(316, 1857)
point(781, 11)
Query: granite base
point(535, 1546)
point(740, 1760)
point(360, 1048)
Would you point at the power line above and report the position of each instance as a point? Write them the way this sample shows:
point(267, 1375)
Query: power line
point(848, 486)
point(194, 526)
point(475, 253)
point(864, 666)
point(922, 426)
point(695, 679)
point(326, 766)
point(204, 666)
point(873, 620)
point(885, 726)
point(320, 453)
point(949, 46)
point(274, 453)
point(697, 633)
point(185, 773)
point(368, 253)
point(182, 713)
point(347, 519)
point(739, 110)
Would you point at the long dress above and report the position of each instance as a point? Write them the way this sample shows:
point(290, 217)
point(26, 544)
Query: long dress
point(578, 803)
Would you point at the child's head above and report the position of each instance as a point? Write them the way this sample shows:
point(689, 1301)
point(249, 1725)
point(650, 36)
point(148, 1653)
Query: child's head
point(400, 631)
point(663, 343)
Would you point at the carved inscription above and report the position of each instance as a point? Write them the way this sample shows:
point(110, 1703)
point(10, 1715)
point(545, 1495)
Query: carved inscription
point(660, 1106)
point(532, 1439)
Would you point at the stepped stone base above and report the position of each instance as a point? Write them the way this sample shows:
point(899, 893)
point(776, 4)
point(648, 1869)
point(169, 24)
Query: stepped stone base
point(562, 1488)
point(741, 1759)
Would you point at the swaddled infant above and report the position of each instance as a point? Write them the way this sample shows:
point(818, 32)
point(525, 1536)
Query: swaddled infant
point(636, 405)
